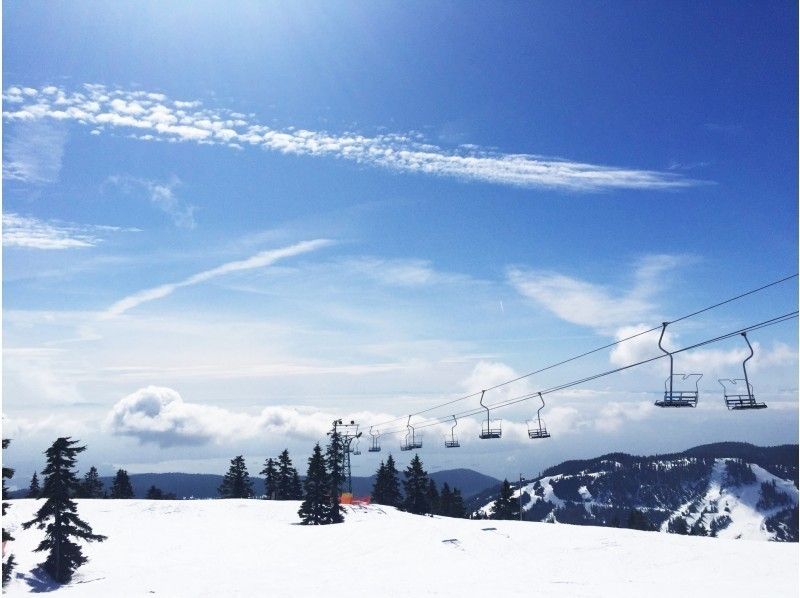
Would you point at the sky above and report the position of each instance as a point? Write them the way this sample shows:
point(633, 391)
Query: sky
point(225, 226)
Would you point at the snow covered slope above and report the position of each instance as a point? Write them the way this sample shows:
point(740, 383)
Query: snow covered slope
point(723, 497)
point(224, 548)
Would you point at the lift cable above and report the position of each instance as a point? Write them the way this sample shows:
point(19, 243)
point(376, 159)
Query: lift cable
point(513, 401)
point(576, 357)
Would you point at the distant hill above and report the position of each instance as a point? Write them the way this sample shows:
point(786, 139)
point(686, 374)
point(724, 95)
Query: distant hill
point(204, 485)
point(728, 489)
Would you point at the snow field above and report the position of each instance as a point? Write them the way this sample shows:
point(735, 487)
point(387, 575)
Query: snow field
point(252, 547)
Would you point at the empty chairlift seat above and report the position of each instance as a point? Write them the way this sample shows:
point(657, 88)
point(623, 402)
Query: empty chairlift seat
point(678, 389)
point(738, 392)
point(490, 428)
point(537, 429)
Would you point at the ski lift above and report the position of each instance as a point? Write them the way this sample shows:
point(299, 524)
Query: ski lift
point(452, 442)
point(673, 397)
point(357, 450)
point(374, 447)
point(740, 396)
point(487, 431)
point(414, 443)
point(540, 430)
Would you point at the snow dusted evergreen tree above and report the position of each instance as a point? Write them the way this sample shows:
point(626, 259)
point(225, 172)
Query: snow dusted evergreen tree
point(9, 563)
point(34, 489)
point(236, 483)
point(416, 488)
point(386, 490)
point(505, 507)
point(270, 473)
point(60, 484)
point(121, 488)
point(321, 503)
point(91, 486)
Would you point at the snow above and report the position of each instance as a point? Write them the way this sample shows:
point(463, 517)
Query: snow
point(252, 547)
point(738, 502)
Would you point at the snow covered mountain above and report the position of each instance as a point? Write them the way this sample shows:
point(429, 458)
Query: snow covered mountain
point(228, 548)
point(726, 490)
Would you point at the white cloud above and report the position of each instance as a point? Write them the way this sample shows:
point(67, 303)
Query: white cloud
point(160, 415)
point(593, 305)
point(165, 120)
point(162, 195)
point(26, 231)
point(615, 414)
point(259, 260)
point(34, 151)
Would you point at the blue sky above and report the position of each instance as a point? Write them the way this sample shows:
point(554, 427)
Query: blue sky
point(224, 227)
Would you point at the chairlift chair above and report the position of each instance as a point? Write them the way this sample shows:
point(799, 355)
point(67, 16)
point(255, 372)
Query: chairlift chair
point(357, 450)
point(738, 392)
point(539, 430)
point(414, 443)
point(374, 447)
point(452, 442)
point(673, 397)
point(487, 429)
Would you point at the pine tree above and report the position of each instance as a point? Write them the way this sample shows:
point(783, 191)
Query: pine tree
point(154, 493)
point(236, 483)
point(638, 520)
point(60, 484)
point(678, 525)
point(416, 488)
point(391, 487)
point(34, 489)
point(334, 460)
point(91, 486)
point(286, 477)
point(433, 497)
point(9, 563)
point(505, 507)
point(316, 508)
point(459, 510)
point(378, 488)
point(121, 488)
point(445, 500)
point(270, 474)
point(296, 487)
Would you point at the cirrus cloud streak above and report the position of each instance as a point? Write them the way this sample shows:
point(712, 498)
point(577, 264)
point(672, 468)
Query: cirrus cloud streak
point(151, 116)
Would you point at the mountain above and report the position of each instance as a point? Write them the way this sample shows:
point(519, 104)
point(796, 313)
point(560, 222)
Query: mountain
point(731, 490)
point(470, 482)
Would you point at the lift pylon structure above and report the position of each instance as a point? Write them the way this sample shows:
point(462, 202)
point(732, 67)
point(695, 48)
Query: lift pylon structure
point(673, 397)
point(540, 430)
point(374, 447)
point(347, 434)
point(739, 397)
point(490, 429)
point(452, 442)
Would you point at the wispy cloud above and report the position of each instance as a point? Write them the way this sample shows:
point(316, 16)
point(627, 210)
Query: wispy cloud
point(161, 194)
point(33, 152)
point(589, 304)
point(155, 117)
point(26, 231)
point(259, 260)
